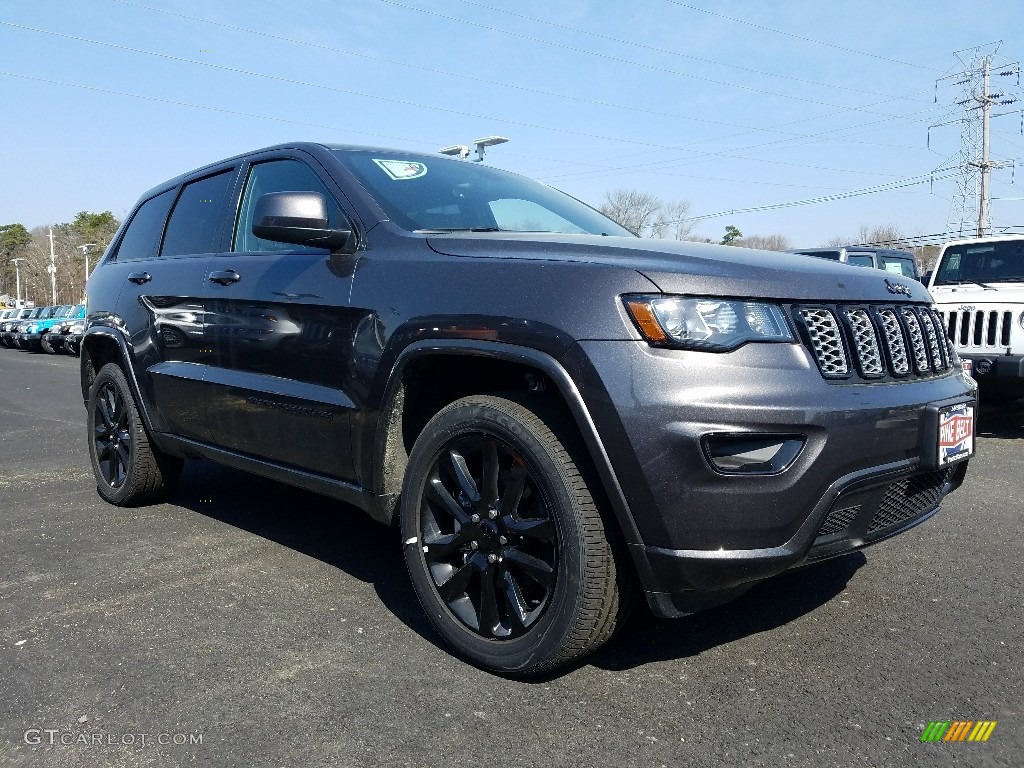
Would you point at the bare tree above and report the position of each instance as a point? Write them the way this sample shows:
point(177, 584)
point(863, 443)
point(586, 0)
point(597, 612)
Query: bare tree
point(764, 242)
point(647, 215)
point(633, 209)
point(672, 222)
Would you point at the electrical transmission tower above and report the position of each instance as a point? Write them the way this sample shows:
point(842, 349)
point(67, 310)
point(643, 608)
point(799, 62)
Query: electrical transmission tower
point(984, 84)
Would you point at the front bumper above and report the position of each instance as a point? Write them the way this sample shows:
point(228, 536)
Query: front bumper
point(55, 340)
point(701, 531)
point(999, 372)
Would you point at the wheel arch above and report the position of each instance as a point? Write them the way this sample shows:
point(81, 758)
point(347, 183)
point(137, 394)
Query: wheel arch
point(404, 411)
point(99, 346)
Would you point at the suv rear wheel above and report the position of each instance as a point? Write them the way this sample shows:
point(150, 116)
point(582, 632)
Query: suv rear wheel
point(129, 469)
point(507, 549)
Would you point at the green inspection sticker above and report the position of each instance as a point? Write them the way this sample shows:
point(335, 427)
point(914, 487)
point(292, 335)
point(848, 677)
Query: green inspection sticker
point(402, 170)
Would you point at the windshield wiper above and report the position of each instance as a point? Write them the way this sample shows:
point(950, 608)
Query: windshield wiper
point(445, 230)
point(986, 286)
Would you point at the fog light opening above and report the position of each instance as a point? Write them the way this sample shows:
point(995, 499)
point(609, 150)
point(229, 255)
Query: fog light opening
point(982, 367)
point(751, 454)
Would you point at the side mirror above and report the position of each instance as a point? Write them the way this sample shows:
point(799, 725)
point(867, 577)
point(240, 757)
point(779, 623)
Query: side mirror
point(299, 218)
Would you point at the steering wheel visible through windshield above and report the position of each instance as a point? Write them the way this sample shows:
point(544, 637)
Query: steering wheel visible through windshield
point(424, 193)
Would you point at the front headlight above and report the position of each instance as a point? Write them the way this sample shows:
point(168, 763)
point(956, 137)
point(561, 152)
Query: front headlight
point(710, 324)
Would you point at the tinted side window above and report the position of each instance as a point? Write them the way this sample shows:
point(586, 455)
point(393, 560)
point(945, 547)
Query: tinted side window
point(142, 237)
point(196, 216)
point(280, 176)
point(860, 260)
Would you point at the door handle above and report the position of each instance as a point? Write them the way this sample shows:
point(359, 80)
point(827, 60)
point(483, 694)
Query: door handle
point(139, 277)
point(227, 277)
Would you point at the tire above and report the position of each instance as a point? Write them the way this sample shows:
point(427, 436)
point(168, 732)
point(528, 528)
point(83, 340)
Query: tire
point(129, 469)
point(508, 551)
point(45, 346)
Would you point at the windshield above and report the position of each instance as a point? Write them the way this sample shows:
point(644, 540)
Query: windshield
point(427, 193)
point(981, 263)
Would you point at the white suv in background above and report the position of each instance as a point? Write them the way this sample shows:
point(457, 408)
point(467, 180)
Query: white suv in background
point(978, 286)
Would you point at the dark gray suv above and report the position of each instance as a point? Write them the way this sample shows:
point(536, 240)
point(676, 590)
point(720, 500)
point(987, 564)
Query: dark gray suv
point(553, 411)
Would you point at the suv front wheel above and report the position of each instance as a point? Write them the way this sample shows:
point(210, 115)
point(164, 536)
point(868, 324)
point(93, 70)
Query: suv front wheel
point(507, 548)
point(129, 469)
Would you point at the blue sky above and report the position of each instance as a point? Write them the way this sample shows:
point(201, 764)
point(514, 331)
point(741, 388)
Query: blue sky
point(729, 105)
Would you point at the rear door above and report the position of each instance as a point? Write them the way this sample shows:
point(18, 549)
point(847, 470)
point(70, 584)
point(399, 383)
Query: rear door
point(161, 261)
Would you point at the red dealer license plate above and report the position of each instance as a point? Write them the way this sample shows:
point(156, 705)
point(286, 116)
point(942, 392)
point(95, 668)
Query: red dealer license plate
point(956, 433)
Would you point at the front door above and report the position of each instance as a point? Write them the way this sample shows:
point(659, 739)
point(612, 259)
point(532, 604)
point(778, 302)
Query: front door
point(279, 331)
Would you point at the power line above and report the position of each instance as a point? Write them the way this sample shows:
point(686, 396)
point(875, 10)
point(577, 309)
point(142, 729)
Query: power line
point(336, 89)
point(221, 110)
point(799, 37)
point(617, 59)
point(913, 181)
point(644, 46)
point(435, 71)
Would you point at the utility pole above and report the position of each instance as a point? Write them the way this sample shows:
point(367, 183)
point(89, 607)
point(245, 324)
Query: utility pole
point(52, 269)
point(969, 213)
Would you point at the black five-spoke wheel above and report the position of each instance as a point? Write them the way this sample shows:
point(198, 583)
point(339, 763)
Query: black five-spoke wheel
point(505, 544)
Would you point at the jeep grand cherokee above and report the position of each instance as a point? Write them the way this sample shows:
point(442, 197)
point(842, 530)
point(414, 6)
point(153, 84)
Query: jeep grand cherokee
point(551, 410)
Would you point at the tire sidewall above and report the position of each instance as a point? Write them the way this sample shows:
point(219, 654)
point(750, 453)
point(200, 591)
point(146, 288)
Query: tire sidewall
point(556, 625)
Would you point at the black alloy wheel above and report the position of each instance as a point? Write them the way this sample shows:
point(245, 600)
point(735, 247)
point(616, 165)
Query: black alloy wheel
point(508, 551)
point(129, 469)
point(488, 536)
point(112, 436)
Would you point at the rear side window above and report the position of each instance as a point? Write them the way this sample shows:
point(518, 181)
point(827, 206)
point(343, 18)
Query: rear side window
point(143, 234)
point(196, 216)
point(860, 260)
point(902, 267)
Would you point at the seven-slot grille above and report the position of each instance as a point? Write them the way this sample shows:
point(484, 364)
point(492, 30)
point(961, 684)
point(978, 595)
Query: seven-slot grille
point(875, 342)
point(979, 328)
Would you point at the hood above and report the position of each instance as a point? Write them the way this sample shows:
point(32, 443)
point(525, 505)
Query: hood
point(970, 294)
point(696, 268)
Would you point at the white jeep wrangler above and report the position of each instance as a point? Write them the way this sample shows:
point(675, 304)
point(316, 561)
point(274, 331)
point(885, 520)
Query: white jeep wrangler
point(978, 286)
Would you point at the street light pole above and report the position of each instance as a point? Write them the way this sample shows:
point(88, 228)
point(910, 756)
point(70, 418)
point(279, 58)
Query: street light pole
point(52, 269)
point(85, 252)
point(463, 151)
point(17, 277)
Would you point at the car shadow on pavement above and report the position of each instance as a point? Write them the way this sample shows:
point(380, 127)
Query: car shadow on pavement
point(768, 605)
point(1003, 420)
point(331, 531)
point(345, 538)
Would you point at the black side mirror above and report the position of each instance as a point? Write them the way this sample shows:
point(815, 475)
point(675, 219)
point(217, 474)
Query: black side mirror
point(299, 218)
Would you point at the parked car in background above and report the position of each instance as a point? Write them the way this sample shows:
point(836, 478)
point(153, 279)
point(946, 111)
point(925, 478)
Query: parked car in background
point(978, 286)
point(73, 338)
point(31, 336)
point(52, 340)
point(9, 337)
point(894, 261)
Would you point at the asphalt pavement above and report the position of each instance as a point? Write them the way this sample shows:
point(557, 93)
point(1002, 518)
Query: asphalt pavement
point(248, 623)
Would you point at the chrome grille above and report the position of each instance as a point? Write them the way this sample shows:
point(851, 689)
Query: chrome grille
point(826, 340)
point(916, 339)
point(868, 354)
point(932, 336)
point(876, 342)
point(895, 341)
